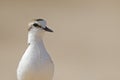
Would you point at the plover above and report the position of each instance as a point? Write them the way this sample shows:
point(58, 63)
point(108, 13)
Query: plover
point(36, 64)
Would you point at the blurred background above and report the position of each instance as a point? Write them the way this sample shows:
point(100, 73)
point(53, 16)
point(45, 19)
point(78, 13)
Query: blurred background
point(85, 44)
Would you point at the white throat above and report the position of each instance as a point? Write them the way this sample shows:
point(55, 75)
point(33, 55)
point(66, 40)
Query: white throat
point(35, 35)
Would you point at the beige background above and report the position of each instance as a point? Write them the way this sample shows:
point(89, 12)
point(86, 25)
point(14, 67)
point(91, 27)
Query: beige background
point(85, 44)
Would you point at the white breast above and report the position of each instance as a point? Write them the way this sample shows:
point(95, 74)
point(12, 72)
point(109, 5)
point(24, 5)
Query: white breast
point(35, 64)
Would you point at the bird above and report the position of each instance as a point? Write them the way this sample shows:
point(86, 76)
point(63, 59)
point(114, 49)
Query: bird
point(36, 63)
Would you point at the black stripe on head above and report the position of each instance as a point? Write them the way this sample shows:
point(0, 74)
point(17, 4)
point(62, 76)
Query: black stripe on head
point(39, 20)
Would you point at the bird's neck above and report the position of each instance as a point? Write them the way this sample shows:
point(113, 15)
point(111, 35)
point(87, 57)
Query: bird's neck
point(34, 37)
point(36, 40)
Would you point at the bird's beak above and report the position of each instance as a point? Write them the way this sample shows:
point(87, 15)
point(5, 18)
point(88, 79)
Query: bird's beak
point(48, 29)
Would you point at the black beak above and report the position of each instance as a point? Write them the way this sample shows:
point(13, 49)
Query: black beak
point(48, 29)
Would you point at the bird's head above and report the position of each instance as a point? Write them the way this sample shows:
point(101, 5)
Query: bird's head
point(39, 25)
point(37, 28)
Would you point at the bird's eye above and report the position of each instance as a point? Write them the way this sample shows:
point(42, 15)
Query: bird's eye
point(35, 24)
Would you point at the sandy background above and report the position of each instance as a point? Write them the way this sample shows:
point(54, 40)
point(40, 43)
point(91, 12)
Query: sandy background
point(85, 44)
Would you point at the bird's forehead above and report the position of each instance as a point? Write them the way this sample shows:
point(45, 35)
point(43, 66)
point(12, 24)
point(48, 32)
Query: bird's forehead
point(41, 22)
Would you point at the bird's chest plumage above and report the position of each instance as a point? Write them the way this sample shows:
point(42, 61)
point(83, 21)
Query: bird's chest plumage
point(35, 64)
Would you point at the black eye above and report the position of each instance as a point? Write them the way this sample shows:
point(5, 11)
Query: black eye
point(35, 24)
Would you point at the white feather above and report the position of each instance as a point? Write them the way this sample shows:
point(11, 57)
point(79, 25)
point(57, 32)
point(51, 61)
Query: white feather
point(35, 64)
